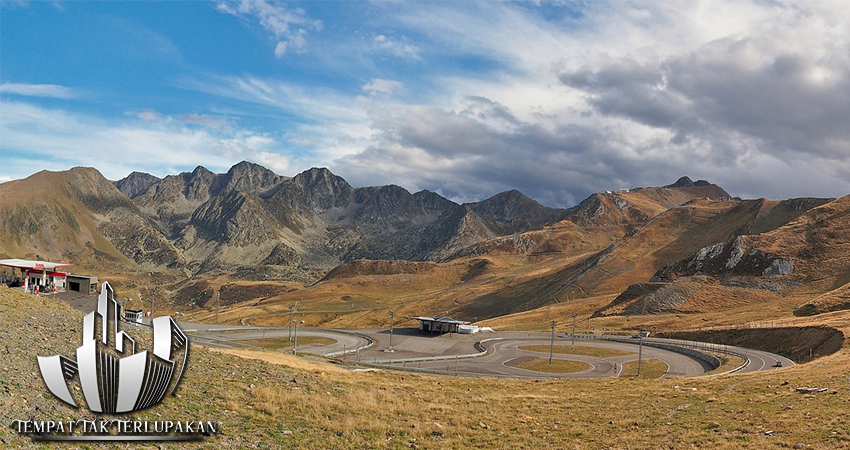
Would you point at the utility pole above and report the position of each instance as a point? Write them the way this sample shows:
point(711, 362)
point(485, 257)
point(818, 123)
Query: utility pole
point(640, 352)
point(217, 302)
point(291, 310)
point(153, 304)
point(295, 344)
point(392, 322)
point(552, 343)
point(573, 345)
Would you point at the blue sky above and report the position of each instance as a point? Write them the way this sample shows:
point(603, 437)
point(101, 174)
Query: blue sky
point(556, 99)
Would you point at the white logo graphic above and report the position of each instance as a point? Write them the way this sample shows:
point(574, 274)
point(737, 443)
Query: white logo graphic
point(113, 384)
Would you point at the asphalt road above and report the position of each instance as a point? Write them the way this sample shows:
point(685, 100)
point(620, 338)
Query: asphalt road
point(229, 336)
point(452, 353)
point(457, 354)
point(503, 353)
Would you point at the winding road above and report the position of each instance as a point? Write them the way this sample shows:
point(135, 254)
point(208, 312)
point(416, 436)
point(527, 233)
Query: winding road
point(490, 354)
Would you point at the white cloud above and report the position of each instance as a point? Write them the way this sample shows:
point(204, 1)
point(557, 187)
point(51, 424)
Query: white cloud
point(36, 138)
point(382, 87)
point(212, 121)
point(288, 26)
point(396, 47)
point(332, 124)
point(753, 96)
point(557, 103)
point(148, 115)
point(38, 90)
point(280, 49)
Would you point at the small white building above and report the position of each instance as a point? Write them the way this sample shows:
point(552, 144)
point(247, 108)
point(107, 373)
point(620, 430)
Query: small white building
point(440, 324)
point(132, 315)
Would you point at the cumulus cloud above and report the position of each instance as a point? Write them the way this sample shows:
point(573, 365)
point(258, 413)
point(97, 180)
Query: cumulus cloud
point(555, 100)
point(38, 90)
point(288, 26)
point(754, 97)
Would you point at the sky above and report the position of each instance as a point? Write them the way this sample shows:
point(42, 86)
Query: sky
point(556, 99)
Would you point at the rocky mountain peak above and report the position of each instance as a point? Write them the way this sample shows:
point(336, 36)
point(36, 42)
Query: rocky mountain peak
point(317, 176)
point(512, 211)
point(432, 202)
point(201, 171)
point(681, 182)
point(136, 183)
point(687, 182)
point(504, 202)
point(318, 189)
point(245, 177)
point(94, 190)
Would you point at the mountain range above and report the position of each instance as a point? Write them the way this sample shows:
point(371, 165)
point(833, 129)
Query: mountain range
point(656, 249)
point(281, 228)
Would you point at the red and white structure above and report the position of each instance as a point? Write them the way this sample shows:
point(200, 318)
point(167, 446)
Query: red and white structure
point(38, 276)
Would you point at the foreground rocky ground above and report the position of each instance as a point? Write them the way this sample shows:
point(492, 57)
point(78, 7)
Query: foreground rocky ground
point(271, 400)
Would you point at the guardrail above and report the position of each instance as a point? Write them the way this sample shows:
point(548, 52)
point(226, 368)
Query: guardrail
point(478, 346)
point(370, 343)
point(691, 348)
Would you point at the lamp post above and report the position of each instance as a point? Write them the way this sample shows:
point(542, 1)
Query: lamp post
point(295, 344)
point(573, 344)
point(392, 322)
point(552, 343)
point(640, 352)
point(291, 310)
point(217, 302)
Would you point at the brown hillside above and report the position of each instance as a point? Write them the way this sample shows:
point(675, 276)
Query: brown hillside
point(834, 300)
point(818, 243)
point(363, 267)
point(78, 216)
point(690, 295)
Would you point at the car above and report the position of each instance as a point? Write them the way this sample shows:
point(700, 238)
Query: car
point(778, 364)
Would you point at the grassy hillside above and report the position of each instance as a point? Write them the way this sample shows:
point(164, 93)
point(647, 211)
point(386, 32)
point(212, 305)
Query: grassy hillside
point(563, 269)
point(277, 401)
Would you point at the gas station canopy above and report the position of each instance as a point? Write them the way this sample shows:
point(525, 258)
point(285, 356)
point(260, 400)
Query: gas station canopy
point(32, 265)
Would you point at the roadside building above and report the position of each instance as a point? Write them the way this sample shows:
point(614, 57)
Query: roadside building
point(37, 276)
point(133, 315)
point(86, 284)
point(440, 324)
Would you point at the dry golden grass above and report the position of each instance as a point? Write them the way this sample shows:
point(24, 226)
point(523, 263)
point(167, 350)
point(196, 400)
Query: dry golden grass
point(727, 362)
point(598, 352)
point(274, 400)
point(556, 366)
point(650, 369)
point(386, 410)
point(282, 359)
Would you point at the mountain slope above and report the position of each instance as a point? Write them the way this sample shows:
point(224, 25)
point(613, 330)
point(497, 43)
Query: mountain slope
point(807, 254)
point(81, 217)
